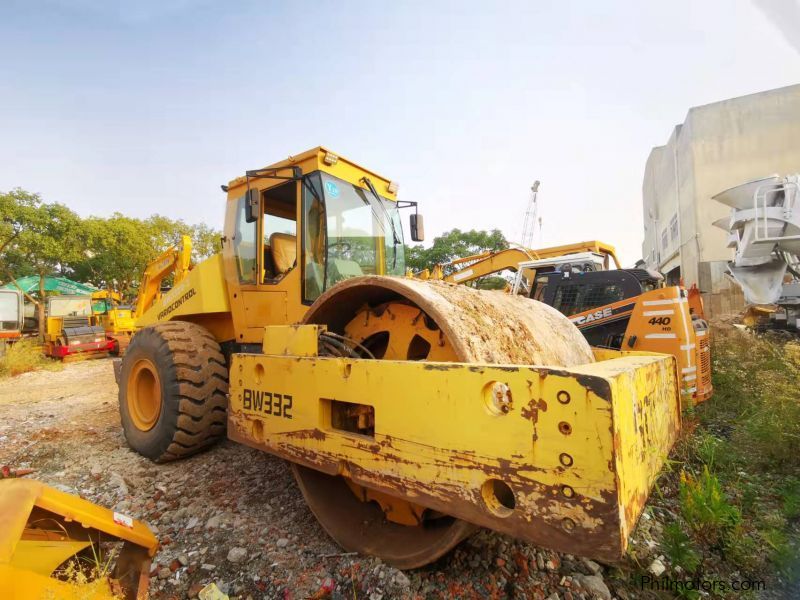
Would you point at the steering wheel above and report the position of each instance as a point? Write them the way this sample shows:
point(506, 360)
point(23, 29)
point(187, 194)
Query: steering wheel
point(344, 247)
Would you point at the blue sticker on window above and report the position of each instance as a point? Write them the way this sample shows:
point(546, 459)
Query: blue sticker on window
point(332, 189)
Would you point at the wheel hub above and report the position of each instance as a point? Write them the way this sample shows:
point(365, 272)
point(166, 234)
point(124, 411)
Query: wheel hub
point(144, 394)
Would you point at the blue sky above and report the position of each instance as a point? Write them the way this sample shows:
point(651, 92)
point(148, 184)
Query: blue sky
point(149, 106)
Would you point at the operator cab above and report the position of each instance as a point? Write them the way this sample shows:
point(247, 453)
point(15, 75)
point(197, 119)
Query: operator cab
point(75, 306)
point(573, 292)
point(300, 226)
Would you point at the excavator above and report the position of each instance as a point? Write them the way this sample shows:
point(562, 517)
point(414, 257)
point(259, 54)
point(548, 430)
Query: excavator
point(471, 268)
point(412, 412)
point(616, 308)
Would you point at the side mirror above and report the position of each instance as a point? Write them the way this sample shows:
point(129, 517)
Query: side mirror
point(417, 228)
point(252, 206)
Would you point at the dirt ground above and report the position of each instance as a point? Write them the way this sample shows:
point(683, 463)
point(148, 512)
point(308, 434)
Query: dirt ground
point(234, 516)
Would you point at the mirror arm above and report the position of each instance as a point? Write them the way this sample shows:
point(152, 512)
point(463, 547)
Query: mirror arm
point(407, 204)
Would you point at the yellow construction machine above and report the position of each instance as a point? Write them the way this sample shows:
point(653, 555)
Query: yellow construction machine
point(470, 268)
point(115, 318)
point(70, 332)
point(412, 411)
point(173, 262)
point(55, 545)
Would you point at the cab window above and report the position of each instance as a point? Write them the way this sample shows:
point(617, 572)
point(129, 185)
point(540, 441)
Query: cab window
point(600, 294)
point(314, 246)
point(567, 299)
point(348, 231)
point(279, 231)
point(244, 244)
point(575, 298)
point(540, 287)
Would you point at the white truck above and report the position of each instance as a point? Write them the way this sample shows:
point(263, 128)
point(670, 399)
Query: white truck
point(11, 317)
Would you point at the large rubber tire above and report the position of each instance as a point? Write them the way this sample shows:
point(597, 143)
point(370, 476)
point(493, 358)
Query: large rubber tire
point(188, 373)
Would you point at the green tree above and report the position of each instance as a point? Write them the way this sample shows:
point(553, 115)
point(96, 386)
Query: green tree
point(455, 244)
point(16, 208)
point(166, 232)
point(45, 239)
point(205, 241)
point(116, 251)
point(119, 248)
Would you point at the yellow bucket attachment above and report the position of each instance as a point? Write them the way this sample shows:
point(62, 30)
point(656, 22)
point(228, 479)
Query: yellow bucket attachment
point(55, 545)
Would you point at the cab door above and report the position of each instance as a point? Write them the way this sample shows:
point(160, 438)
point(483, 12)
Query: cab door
point(261, 261)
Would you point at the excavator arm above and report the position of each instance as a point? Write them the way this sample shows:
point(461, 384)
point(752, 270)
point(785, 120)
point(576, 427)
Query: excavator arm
point(469, 268)
point(473, 267)
point(175, 259)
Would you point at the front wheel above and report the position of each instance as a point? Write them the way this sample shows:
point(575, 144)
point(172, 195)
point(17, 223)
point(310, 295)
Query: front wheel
point(173, 391)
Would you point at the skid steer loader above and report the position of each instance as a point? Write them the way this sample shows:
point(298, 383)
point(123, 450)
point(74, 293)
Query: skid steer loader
point(412, 411)
point(633, 309)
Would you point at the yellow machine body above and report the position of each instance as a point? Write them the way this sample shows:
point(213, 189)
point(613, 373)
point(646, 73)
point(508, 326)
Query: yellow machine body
point(435, 419)
point(70, 330)
point(579, 447)
point(175, 261)
point(41, 529)
point(108, 313)
point(660, 321)
point(116, 320)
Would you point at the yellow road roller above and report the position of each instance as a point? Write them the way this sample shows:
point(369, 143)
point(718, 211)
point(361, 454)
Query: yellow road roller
point(412, 411)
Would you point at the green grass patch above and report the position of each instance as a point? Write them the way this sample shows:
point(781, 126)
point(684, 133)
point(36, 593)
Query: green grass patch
point(705, 508)
point(732, 484)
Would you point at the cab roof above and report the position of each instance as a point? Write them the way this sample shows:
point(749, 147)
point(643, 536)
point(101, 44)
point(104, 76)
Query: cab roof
point(322, 159)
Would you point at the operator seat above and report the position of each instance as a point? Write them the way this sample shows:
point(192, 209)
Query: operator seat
point(284, 252)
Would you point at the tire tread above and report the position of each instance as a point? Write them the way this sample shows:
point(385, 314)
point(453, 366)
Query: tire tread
point(200, 387)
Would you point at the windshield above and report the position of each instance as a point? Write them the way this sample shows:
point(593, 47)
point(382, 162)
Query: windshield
point(9, 311)
point(66, 306)
point(353, 235)
point(100, 306)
